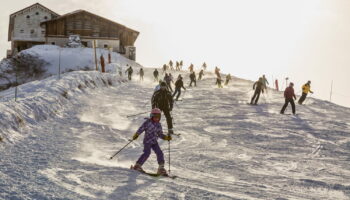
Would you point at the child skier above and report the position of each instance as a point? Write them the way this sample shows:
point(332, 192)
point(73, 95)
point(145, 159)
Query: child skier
point(153, 130)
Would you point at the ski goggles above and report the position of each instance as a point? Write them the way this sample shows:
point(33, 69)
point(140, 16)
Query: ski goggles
point(156, 115)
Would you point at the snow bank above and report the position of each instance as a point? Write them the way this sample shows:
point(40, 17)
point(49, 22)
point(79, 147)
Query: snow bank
point(71, 59)
point(39, 100)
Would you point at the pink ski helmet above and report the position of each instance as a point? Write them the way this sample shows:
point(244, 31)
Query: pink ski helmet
point(156, 112)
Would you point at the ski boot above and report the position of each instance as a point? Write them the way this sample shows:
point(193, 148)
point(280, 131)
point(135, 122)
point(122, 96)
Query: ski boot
point(138, 167)
point(161, 170)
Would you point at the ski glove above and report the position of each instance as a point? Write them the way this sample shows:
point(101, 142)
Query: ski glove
point(135, 136)
point(167, 137)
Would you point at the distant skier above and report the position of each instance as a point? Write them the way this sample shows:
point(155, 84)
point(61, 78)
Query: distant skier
point(178, 85)
point(129, 71)
point(306, 90)
point(167, 80)
point(163, 100)
point(258, 87)
point(204, 66)
point(156, 74)
point(171, 65)
point(164, 68)
point(109, 58)
point(276, 85)
point(181, 64)
point(265, 82)
point(177, 66)
point(217, 72)
point(288, 96)
point(218, 82)
point(200, 75)
point(153, 130)
point(102, 61)
point(158, 86)
point(228, 78)
point(193, 79)
point(191, 68)
point(142, 73)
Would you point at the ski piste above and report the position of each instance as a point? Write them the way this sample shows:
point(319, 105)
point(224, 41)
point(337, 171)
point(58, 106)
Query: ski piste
point(154, 174)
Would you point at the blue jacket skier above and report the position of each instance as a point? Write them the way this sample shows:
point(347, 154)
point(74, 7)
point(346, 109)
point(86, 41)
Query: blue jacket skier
point(153, 130)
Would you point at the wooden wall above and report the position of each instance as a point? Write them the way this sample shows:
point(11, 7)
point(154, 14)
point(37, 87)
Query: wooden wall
point(89, 25)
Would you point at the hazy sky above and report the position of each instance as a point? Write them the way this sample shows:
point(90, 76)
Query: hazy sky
point(300, 39)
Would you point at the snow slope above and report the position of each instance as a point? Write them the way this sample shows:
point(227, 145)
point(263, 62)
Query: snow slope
point(227, 149)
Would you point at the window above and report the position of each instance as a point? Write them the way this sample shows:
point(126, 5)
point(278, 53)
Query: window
point(53, 43)
point(42, 32)
point(28, 16)
point(37, 13)
point(21, 31)
point(45, 17)
point(105, 46)
point(32, 31)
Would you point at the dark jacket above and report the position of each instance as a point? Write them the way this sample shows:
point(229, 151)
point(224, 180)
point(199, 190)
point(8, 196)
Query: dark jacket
point(258, 85)
point(179, 84)
point(162, 99)
point(193, 76)
point(155, 73)
point(289, 93)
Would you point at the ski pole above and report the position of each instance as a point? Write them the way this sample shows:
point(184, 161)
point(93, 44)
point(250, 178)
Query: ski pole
point(136, 114)
point(130, 141)
point(169, 153)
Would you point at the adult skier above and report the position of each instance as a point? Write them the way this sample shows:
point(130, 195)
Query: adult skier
point(102, 61)
point(265, 82)
point(204, 66)
point(258, 87)
point(163, 100)
point(171, 65)
point(164, 68)
point(167, 80)
point(306, 90)
point(156, 74)
point(201, 73)
point(153, 130)
point(288, 96)
point(142, 73)
point(228, 78)
point(129, 71)
point(191, 68)
point(178, 85)
point(193, 79)
point(218, 82)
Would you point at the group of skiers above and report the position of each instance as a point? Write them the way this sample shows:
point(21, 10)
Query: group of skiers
point(163, 101)
point(261, 85)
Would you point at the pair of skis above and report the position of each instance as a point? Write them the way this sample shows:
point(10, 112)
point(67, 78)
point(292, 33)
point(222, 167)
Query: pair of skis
point(154, 174)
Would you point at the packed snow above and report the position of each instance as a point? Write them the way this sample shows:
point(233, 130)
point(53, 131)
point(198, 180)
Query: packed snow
point(60, 134)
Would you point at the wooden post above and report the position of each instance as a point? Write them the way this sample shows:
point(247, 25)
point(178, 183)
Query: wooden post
point(95, 55)
point(59, 64)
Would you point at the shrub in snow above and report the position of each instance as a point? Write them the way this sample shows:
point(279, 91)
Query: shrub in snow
point(26, 67)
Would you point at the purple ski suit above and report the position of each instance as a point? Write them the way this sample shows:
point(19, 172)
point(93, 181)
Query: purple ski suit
point(153, 130)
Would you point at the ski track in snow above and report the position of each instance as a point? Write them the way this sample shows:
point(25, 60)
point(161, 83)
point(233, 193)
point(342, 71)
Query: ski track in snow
point(227, 149)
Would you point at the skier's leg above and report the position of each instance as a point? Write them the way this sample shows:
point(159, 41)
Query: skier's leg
point(178, 94)
point(257, 97)
point(302, 98)
point(159, 153)
point(255, 93)
point(169, 120)
point(293, 105)
point(284, 106)
point(145, 155)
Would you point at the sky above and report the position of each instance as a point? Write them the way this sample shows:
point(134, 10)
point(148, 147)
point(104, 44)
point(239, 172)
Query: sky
point(299, 39)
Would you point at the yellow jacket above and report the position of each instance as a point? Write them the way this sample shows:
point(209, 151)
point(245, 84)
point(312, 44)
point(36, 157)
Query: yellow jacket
point(306, 88)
